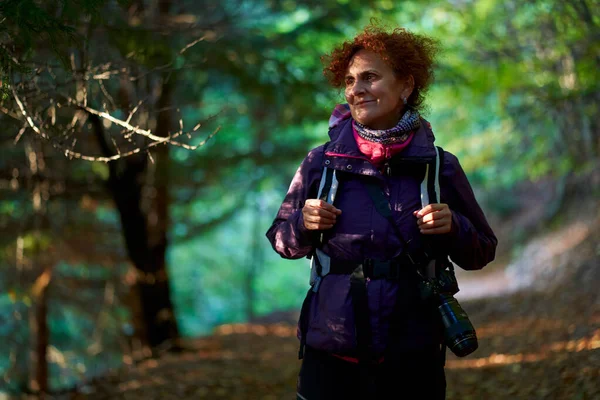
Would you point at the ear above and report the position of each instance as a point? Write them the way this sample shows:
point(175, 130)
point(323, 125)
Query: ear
point(409, 85)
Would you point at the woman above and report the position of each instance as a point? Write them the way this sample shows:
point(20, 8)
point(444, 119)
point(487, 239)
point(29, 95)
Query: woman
point(369, 334)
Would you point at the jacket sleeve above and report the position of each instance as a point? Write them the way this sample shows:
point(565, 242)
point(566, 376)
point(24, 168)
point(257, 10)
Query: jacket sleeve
point(471, 244)
point(288, 235)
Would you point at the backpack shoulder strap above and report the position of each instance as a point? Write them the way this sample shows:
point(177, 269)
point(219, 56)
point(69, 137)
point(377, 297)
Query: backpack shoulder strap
point(328, 185)
point(320, 262)
point(430, 186)
point(438, 171)
point(430, 192)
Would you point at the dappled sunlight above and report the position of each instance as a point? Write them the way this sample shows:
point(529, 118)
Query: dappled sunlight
point(584, 344)
point(147, 146)
point(590, 343)
point(494, 359)
point(149, 364)
point(570, 346)
point(531, 325)
point(127, 386)
point(281, 330)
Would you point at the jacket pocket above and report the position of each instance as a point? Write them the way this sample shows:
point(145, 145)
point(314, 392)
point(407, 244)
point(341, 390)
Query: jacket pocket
point(331, 319)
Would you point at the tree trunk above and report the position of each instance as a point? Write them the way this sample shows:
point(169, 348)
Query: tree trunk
point(142, 198)
point(38, 314)
point(40, 334)
point(157, 303)
point(145, 240)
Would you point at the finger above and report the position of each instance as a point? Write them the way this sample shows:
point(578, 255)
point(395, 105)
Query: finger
point(433, 224)
point(317, 203)
point(318, 219)
point(436, 216)
point(309, 209)
point(430, 208)
point(317, 214)
point(313, 203)
point(330, 207)
point(320, 204)
point(322, 213)
point(317, 226)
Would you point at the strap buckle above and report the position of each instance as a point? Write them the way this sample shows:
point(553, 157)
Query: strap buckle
point(382, 269)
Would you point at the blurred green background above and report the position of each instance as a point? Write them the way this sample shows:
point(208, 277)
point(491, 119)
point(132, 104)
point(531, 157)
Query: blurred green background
point(515, 98)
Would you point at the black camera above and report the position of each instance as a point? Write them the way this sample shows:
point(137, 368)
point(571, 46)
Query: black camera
point(458, 330)
point(459, 334)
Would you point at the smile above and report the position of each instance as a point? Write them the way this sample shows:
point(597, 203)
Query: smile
point(362, 103)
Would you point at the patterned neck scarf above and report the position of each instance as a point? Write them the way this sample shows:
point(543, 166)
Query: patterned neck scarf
point(409, 122)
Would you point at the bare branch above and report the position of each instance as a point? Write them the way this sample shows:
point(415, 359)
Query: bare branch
point(32, 125)
point(105, 75)
point(192, 44)
point(108, 96)
point(9, 113)
point(73, 154)
point(126, 125)
point(131, 114)
point(21, 131)
point(116, 146)
point(28, 93)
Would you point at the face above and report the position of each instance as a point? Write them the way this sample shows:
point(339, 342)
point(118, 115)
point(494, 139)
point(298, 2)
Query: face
point(374, 92)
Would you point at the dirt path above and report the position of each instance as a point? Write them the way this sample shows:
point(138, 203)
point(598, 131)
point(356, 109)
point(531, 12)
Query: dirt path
point(538, 322)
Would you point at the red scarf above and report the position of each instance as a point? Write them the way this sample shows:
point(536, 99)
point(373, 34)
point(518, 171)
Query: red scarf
point(377, 153)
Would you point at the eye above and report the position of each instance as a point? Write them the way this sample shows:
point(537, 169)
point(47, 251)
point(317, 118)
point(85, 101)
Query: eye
point(370, 77)
point(349, 81)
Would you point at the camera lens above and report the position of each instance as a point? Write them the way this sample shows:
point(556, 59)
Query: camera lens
point(459, 332)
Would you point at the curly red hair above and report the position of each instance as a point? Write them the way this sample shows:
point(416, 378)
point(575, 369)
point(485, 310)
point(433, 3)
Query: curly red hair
point(407, 53)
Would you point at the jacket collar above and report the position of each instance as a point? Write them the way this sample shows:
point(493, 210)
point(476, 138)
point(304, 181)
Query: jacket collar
point(421, 147)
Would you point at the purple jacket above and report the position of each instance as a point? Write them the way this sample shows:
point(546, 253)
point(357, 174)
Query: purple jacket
point(361, 232)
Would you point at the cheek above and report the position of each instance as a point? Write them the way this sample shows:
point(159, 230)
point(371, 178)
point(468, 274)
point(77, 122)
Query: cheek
point(347, 95)
point(392, 100)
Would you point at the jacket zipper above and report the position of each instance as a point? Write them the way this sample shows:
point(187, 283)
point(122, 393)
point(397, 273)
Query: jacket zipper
point(331, 154)
point(415, 160)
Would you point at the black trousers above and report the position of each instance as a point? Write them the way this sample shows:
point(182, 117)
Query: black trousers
point(409, 375)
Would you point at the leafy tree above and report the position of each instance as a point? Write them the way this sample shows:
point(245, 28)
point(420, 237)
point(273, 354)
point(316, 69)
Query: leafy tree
point(91, 94)
point(106, 80)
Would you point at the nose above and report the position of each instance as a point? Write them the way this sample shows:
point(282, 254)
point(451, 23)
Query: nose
point(356, 89)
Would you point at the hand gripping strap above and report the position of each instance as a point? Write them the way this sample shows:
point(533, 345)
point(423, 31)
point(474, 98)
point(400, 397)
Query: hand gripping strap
point(320, 262)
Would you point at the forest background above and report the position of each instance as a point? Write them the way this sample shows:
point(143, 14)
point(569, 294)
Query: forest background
point(147, 144)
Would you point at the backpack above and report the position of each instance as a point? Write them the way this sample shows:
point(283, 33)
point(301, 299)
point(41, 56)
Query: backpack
point(328, 186)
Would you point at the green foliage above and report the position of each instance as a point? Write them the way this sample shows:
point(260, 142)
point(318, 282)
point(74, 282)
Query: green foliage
point(25, 22)
point(209, 274)
point(145, 48)
point(513, 79)
point(28, 25)
point(101, 170)
point(515, 98)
